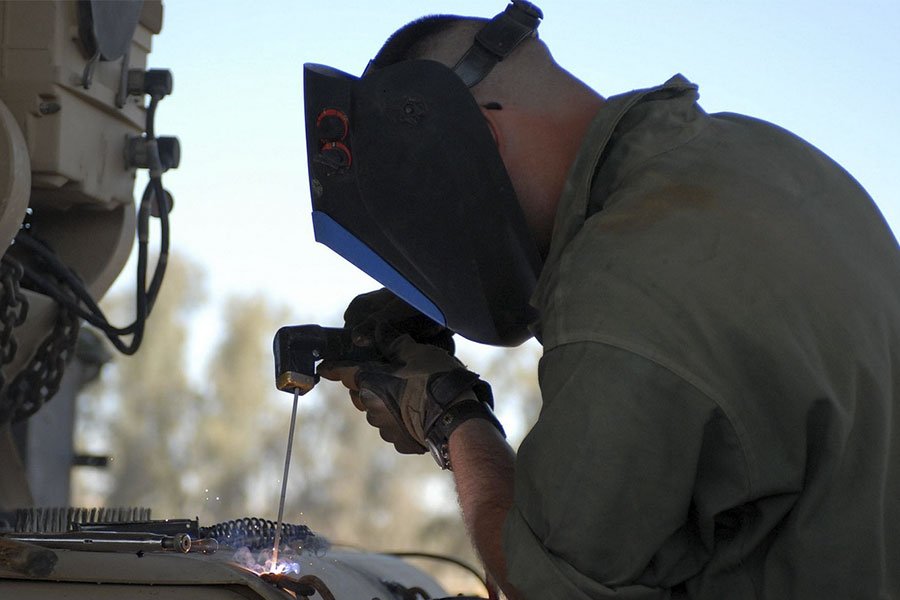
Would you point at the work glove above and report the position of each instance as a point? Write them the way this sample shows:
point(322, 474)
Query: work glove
point(367, 311)
point(418, 396)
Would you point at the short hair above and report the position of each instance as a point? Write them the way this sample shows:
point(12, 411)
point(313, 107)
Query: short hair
point(409, 42)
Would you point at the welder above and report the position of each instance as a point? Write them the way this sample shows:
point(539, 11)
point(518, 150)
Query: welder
point(717, 300)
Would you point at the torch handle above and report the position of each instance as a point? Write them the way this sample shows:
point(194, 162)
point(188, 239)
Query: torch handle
point(298, 348)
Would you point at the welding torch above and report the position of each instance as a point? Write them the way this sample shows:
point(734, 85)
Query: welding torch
point(298, 348)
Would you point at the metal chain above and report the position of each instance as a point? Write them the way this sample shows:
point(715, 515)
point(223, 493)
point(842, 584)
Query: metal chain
point(13, 310)
point(40, 380)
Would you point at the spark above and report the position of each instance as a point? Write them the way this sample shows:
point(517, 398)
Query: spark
point(265, 562)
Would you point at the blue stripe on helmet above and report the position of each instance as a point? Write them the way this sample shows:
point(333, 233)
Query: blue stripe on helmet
point(330, 233)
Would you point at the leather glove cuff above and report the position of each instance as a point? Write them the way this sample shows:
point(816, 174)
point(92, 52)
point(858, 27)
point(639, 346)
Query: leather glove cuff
point(447, 412)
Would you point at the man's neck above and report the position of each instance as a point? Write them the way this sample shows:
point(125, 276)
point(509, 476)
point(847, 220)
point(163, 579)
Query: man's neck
point(573, 128)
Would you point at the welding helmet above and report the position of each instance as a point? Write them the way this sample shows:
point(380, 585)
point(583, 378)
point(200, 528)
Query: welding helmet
point(408, 185)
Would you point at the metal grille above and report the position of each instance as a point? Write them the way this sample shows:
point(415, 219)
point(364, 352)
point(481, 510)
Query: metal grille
point(63, 519)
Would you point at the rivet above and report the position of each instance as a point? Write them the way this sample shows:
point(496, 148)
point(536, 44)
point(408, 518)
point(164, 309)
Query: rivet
point(49, 108)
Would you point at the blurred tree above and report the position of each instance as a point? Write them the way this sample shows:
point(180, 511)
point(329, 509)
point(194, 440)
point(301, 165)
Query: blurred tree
point(143, 406)
point(512, 373)
point(240, 430)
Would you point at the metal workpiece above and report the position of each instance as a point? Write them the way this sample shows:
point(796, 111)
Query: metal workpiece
point(104, 541)
point(97, 575)
point(304, 586)
point(26, 559)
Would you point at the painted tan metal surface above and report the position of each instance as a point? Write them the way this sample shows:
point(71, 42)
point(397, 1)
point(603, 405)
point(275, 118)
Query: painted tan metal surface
point(15, 176)
point(75, 136)
point(91, 575)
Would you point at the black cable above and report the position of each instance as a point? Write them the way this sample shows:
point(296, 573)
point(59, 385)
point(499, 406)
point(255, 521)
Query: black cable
point(92, 314)
point(478, 575)
point(49, 259)
point(151, 116)
point(84, 306)
point(43, 285)
point(59, 270)
point(163, 260)
point(39, 283)
point(156, 189)
point(444, 558)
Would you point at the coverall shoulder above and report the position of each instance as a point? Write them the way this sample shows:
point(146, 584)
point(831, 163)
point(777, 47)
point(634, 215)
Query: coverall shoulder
point(720, 315)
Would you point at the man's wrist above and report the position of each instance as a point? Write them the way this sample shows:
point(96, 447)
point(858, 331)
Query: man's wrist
point(465, 410)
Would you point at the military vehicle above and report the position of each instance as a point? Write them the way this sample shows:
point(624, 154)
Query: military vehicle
point(77, 130)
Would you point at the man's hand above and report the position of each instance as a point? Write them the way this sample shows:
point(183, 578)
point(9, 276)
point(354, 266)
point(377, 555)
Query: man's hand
point(377, 412)
point(393, 395)
point(366, 315)
point(367, 311)
point(418, 396)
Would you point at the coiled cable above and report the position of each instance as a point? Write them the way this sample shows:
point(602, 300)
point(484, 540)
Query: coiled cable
point(257, 534)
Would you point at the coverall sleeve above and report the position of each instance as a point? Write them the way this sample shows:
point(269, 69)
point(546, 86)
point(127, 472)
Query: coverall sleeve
point(620, 483)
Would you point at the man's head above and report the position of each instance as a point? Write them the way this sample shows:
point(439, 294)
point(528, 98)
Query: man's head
point(537, 111)
point(438, 172)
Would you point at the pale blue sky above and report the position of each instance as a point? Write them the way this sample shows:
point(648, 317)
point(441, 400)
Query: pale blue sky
point(828, 71)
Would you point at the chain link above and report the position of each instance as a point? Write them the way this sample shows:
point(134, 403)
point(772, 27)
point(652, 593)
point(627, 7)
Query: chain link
point(13, 309)
point(40, 380)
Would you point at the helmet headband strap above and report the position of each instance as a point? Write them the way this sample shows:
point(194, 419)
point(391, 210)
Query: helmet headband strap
point(497, 39)
point(494, 42)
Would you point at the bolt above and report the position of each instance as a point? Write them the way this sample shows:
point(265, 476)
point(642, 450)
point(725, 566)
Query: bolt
point(49, 108)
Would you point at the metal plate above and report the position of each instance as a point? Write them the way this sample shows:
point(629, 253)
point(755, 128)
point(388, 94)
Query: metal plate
point(108, 26)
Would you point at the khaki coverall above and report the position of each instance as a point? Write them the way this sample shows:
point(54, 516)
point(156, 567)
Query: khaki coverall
point(720, 315)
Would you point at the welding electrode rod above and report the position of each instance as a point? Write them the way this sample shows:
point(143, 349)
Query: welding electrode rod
point(284, 478)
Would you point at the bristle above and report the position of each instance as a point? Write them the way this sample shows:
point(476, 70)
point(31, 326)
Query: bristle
point(63, 519)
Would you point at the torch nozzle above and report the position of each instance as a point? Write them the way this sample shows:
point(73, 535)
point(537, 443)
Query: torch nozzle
point(298, 348)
